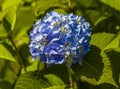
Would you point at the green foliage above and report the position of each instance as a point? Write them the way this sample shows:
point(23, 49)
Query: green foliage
point(41, 6)
point(37, 80)
point(7, 7)
point(7, 52)
point(101, 40)
point(114, 4)
point(101, 66)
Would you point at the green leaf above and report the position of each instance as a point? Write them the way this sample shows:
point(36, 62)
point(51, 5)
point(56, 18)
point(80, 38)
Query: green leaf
point(2, 14)
point(5, 85)
point(101, 40)
point(3, 32)
point(96, 16)
point(112, 3)
point(54, 80)
point(114, 56)
point(24, 22)
point(59, 70)
point(1, 5)
point(7, 5)
point(37, 80)
point(7, 52)
point(41, 6)
point(31, 80)
point(56, 87)
point(92, 66)
point(11, 16)
point(114, 44)
point(32, 67)
point(60, 11)
point(97, 62)
point(107, 76)
point(99, 70)
point(87, 3)
point(9, 71)
point(105, 86)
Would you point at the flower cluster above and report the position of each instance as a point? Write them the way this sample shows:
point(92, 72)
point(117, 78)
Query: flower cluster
point(58, 38)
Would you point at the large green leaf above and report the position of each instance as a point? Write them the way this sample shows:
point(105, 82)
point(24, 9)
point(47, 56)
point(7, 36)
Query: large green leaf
point(9, 71)
point(7, 3)
point(101, 40)
point(24, 22)
point(112, 3)
point(97, 68)
point(6, 6)
point(114, 56)
point(31, 80)
point(7, 52)
point(37, 80)
point(107, 74)
point(11, 16)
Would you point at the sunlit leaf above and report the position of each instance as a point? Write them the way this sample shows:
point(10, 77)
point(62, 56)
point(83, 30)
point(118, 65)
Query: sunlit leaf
point(24, 22)
point(54, 80)
point(114, 44)
point(8, 4)
point(11, 16)
point(3, 32)
point(7, 52)
point(56, 87)
point(112, 3)
point(101, 40)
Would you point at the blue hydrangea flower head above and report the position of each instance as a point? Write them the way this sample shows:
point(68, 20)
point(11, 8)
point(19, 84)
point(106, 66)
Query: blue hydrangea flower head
point(59, 38)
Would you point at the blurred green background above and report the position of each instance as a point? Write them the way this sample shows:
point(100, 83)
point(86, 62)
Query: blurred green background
point(101, 66)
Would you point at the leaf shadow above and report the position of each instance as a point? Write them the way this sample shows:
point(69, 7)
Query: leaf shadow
point(104, 86)
point(59, 70)
point(114, 58)
point(5, 85)
point(9, 48)
point(85, 85)
point(24, 52)
point(92, 64)
point(3, 69)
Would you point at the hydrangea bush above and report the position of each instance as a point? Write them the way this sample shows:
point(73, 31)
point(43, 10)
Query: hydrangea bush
point(59, 38)
point(48, 44)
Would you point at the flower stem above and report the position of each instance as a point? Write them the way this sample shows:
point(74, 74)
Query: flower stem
point(72, 84)
point(70, 74)
point(17, 53)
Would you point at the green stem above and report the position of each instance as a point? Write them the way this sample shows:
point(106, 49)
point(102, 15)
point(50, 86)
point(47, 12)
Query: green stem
point(70, 73)
point(18, 54)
